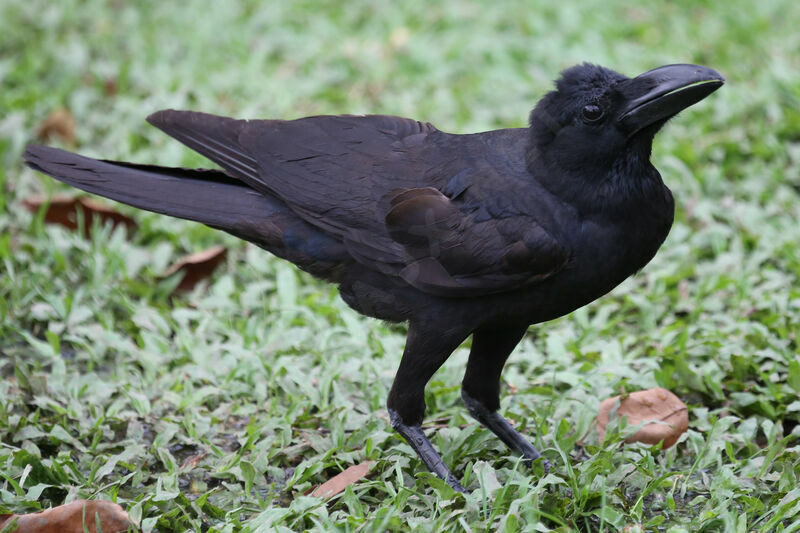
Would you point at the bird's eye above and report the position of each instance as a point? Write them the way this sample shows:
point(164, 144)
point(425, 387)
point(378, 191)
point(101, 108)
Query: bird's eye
point(592, 113)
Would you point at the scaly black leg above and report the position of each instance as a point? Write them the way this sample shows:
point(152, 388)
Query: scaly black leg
point(500, 427)
point(481, 386)
point(425, 352)
point(417, 440)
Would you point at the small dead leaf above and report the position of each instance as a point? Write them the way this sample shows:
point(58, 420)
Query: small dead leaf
point(399, 37)
point(64, 210)
point(639, 407)
point(110, 87)
point(341, 481)
point(75, 517)
point(196, 267)
point(633, 528)
point(193, 460)
point(58, 125)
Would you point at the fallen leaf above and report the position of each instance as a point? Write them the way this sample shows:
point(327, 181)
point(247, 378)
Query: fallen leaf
point(341, 481)
point(64, 210)
point(58, 125)
point(633, 528)
point(196, 267)
point(75, 517)
point(669, 413)
point(399, 37)
point(110, 87)
point(193, 460)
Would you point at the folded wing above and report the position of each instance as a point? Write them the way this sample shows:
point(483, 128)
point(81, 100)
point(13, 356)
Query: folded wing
point(375, 183)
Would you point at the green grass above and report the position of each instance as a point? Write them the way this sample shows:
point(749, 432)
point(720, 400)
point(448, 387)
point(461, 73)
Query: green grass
point(269, 385)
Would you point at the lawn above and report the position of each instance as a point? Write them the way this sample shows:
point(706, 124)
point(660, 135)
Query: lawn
point(221, 409)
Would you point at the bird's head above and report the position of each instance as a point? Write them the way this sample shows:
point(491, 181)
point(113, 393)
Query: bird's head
point(597, 116)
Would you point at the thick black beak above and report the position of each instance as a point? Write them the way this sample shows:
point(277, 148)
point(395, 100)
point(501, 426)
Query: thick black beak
point(663, 92)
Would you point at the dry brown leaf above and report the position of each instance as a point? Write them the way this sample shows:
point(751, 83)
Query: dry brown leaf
point(110, 87)
point(193, 460)
point(341, 481)
point(72, 517)
point(64, 210)
point(58, 125)
point(196, 267)
point(642, 406)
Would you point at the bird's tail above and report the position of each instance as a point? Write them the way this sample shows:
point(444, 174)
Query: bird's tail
point(207, 196)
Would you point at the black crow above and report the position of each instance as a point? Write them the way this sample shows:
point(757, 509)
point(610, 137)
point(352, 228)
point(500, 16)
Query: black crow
point(481, 234)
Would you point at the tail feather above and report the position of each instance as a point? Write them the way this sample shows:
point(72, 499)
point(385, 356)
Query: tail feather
point(208, 196)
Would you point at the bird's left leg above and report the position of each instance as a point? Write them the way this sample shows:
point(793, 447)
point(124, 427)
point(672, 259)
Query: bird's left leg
point(481, 386)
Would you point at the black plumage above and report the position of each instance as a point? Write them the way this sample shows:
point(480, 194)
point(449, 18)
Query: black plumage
point(480, 234)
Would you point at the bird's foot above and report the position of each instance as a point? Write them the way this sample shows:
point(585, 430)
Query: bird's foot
point(500, 427)
point(417, 440)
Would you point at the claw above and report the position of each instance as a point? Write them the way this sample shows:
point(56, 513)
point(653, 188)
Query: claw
point(500, 427)
point(419, 442)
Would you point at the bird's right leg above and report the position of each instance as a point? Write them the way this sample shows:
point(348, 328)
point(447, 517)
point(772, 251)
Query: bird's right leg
point(424, 353)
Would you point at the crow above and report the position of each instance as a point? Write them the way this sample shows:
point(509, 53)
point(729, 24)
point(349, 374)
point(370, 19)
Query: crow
point(476, 234)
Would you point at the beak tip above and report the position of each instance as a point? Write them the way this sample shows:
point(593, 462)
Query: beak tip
point(664, 91)
point(712, 74)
